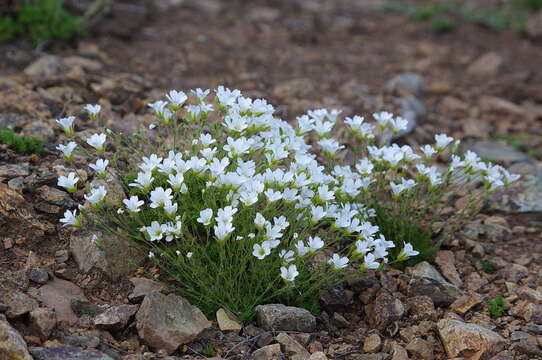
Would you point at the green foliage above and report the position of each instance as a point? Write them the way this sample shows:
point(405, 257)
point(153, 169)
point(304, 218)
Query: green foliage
point(442, 25)
point(22, 145)
point(488, 266)
point(533, 5)
point(497, 307)
point(498, 18)
point(41, 21)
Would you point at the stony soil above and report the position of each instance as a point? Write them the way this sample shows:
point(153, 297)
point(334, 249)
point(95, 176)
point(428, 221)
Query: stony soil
point(474, 84)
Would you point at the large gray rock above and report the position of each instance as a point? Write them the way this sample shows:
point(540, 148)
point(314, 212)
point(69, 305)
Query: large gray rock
point(168, 321)
point(116, 317)
point(498, 151)
point(58, 295)
point(428, 281)
point(406, 84)
point(12, 345)
point(63, 352)
point(524, 195)
point(18, 303)
point(143, 287)
point(468, 340)
point(43, 321)
point(285, 318)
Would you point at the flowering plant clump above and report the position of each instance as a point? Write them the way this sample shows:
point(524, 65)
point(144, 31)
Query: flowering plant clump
point(242, 208)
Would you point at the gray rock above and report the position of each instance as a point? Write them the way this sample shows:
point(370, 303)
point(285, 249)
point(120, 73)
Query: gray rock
point(486, 65)
point(10, 171)
point(43, 320)
point(38, 275)
point(291, 348)
point(168, 321)
point(86, 340)
point(498, 151)
point(18, 303)
point(445, 259)
point(285, 318)
point(63, 352)
point(461, 338)
point(420, 349)
point(46, 66)
point(268, 352)
point(143, 287)
point(428, 281)
point(515, 272)
point(12, 344)
point(406, 83)
point(115, 318)
point(58, 295)
point(524, 195)
point(385, 310)
point(83, 307)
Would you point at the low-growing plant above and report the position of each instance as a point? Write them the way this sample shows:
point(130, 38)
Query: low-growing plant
point(442, 25)
point(21, 144)
point(488, 266)
point(241, 208)
point(497, 307)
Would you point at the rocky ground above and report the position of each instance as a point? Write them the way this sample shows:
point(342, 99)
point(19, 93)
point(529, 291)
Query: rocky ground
point(61, 297)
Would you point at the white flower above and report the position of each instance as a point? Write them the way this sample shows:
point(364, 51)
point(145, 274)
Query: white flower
point(189, 255)
point(369, 262)
point(289, 273)
point(225, 215)
point(273, 195)
point(70, 218)
point(301, 249)
point(223, 229)
point(68, 182)
point(406, 252)
point(67, 124)
point(330, 146)
point(428, 151)
point(158, 107)
point(317, 213)
point(176, 181)
point(261, 251)
point(383, 118)
point(315, 243)
point(201, 94)
point(151, 255)
point(143, 180)
point(287, 256)
point(99, 166)
point(259, 221)
point(206, 139)
point(205, 217)
point(338, 262)
point(67, 149)
point(365, 166)
point(227, 97)
point(404, 185)
point(97, 141)
point(170, 208)
point(156, 231)
point(160, 196)
point(399, 124)
point(442, 140)
point(325, 194)
point(96, 195)
point(176, 98)
point(133, 204)
point(93, 110)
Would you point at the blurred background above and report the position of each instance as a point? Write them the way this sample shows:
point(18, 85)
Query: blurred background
point(472, 68)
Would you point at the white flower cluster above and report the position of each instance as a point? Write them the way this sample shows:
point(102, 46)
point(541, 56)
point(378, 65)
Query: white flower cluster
point(260, 173)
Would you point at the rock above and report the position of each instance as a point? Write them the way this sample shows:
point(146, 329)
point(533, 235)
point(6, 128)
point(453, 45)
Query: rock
point(115, 318)
point(61, 256)
point(427, 281)
point(468, 340)
point(226, 323)
point(420, 349)
point(406, 84)
point(114, 259)
point(529, 347)
point(398, 352)
point(10, 171)
point(37, 275)
point(533, 28)
point(446, 261)
point(269, 352)
point(279, 317)
point(372, 343)
point(55, 196)
point(293, 88)
point(384, 310)
point(291, 348)
point(465, 303)
point(421, 308)
point(12, 344)
point(492, 104)
point(336, 299)
point(498, 151)
point(58, 294)
point(454, 104)
point(83, 307)
point(143, 287)
point(45, 67)
point(515, 273)
point(63, 352)
point(486, 65)
point(43, 320)
point(319, 355)
point(18, 303)
point(168, 321)
point(86, 340)
point(526, 293)
point(532, 313)
point(524, 195)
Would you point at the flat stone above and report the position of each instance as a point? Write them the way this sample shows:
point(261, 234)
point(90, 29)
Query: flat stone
point(468, 340)
point(420, 349)
point(406, 84)
point(43, 320)
point(12, 344)
point(486, 65)
point(421, 308)
point(58, 294)
point(18, 303)
point(291, 348)
point(445, 259)
point(280, 317)
point(83, 307)
point(38, 275)
point(116, 317)
point(55, 196)
point(524, 195)
point(372, 343)
point(499, 151)
point(46, 66)
point(465, 303)
point(268, 352)
point(10, 171)
point(143, 287)
point(428, 281)
point(515, 272)
point(167, 321)
point(63, 352)
point(226, 323)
